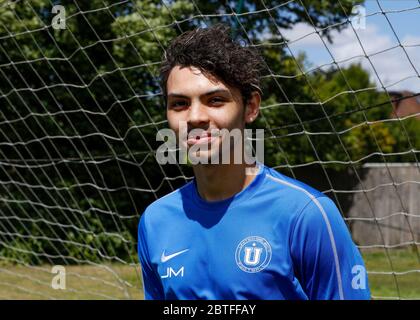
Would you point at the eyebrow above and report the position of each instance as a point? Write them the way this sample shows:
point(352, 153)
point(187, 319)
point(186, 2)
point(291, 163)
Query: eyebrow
point(179, 95)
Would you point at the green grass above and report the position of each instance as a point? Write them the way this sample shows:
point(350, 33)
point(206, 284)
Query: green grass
point(118, 281)
point(114, 281)
point(405, 285)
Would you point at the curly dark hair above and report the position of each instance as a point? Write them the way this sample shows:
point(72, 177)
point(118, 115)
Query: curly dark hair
point(215, 53)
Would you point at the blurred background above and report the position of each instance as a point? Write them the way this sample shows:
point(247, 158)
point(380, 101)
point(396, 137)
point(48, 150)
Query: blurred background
point(80, 107)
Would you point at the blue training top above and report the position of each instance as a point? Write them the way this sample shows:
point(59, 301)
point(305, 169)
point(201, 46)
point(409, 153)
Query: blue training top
point(276, 239)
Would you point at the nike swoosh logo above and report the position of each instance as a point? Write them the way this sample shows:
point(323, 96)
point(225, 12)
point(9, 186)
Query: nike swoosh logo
point(164, 258)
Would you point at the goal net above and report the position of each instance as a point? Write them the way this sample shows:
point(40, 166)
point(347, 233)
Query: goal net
point(81, 107)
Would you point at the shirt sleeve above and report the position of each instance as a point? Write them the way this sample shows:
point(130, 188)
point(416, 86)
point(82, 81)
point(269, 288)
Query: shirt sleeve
point(326, 262)
point(152, 287)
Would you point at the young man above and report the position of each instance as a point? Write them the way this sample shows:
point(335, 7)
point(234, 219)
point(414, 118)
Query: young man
point(228, 234)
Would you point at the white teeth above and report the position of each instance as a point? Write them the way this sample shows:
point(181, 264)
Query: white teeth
point(203, 136)
point(211, 134)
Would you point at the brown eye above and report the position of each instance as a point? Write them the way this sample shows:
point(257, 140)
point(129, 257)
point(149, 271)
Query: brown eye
point(216, 100)
point(178, 104)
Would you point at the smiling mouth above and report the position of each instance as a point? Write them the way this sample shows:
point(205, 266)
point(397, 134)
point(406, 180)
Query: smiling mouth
point(204, 138)
point(200, 139)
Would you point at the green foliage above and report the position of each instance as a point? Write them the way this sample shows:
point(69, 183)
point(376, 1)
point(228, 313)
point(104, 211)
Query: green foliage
point(345, 118)
point(22, 251)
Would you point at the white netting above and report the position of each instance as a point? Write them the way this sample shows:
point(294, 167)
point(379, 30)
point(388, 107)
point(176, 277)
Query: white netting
point(81, 108)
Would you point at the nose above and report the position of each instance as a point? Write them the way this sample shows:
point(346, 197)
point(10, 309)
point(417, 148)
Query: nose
point(197, 115)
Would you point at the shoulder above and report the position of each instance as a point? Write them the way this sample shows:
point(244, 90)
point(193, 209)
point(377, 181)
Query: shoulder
point(286, 199)
point(294, 186)
point(165, 207)
point(291, 192)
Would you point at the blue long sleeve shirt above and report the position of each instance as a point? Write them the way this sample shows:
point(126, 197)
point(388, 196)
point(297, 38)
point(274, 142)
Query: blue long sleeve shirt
point(276, 239)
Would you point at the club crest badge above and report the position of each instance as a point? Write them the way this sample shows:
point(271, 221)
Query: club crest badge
point(253, 254)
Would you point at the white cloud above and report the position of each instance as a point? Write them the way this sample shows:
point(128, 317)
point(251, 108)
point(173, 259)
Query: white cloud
point(303, 32)
point(392, 65)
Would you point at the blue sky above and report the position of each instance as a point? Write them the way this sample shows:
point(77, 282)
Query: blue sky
point(393, 68)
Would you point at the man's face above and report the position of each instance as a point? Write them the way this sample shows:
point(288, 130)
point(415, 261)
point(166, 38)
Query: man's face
point(202, 103)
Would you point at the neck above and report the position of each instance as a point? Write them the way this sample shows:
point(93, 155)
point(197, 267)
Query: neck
point(217, 182)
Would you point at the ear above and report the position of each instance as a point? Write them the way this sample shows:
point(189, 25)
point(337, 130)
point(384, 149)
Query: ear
point(253, 107)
